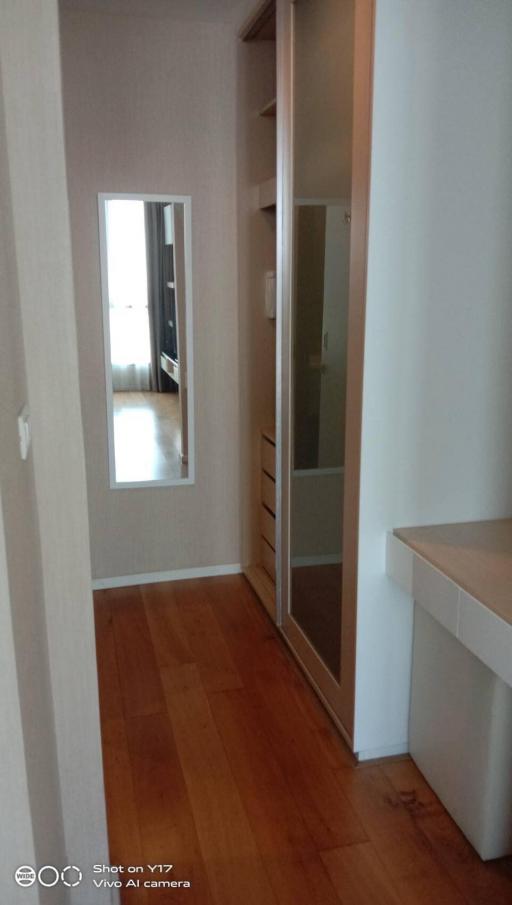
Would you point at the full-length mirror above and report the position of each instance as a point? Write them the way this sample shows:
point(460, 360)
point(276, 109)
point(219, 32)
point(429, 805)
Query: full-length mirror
point(147, 315)
point(322, 143)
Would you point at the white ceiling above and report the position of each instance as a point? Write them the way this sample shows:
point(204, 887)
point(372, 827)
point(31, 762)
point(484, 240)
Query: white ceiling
point(200, 10)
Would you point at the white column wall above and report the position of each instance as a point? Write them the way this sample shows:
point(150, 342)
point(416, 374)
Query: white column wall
point(437, 411)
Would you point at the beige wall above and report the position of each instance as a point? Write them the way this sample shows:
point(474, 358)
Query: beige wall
point(150, 107)
point(34, 828)
point(55, 590)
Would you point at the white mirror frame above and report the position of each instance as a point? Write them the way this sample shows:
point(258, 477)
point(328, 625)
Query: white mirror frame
point(186, 201)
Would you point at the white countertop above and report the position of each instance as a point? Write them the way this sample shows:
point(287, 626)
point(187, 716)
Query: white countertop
point(462, 575)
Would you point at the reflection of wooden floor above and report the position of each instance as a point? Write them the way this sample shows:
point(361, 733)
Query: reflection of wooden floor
point(316, 606)
point(147, 437)
point(219, 759)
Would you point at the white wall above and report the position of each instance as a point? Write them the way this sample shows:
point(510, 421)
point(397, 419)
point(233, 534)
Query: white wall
point(150, 107)
point(50, 585)
point(437, 417)
point(17, 842)
point(30, 750)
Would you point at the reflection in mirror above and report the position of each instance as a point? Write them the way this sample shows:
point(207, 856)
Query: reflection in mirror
point(145, 261)
point(322, 109)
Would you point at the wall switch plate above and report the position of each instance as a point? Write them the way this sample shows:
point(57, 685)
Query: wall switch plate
point(24, 432)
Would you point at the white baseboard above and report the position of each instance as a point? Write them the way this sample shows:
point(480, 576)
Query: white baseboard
point(322, 559)
point(125, 581)
point(377, 753)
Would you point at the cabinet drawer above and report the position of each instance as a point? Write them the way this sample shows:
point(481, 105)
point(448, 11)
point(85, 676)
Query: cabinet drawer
point(268, 559)
point(268, 492)
point(268, 526)
point(268, 457)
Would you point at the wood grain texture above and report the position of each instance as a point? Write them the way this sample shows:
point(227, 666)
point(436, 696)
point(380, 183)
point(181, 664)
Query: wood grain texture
point(359, 875)
point(109, 687)
point(275, 687)
point(403, 849)
point(233, 863)
point(122, 811)
point(166, 628)
point(158, 456)
point(205, 640)
point(167, 824)
point(141, 688)
point(241, 780)
point(294, 867)
point(480, 883)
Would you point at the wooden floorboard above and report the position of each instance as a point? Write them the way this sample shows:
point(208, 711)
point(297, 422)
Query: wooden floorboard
point(122, 811)
point(109, 687)
point(479, 882)
point(405, 852)
point(205, 639)
point(167, 823)
point(295, 869)
point(139, 678)
point(166, 628)
point(235, 869)
point(219, 758)
point(274, 685)
point(359, 875)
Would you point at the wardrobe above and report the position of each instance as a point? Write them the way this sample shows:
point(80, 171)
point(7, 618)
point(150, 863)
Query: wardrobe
point(303, 175)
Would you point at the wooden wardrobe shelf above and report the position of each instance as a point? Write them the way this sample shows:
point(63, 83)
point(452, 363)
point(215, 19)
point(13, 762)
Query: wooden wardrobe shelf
point(261, 24)
point(267, 194)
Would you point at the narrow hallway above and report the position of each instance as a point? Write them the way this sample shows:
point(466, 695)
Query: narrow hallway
point(219, 759)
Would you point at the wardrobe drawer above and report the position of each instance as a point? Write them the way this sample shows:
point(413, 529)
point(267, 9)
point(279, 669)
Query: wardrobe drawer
point(268, 492)
point(268, 457)
point(268, 559)
point(268, 526)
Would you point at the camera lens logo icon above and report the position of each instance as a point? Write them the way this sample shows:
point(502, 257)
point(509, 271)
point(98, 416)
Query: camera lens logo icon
point(48, 876)
point(25, 875)
point(71, 875)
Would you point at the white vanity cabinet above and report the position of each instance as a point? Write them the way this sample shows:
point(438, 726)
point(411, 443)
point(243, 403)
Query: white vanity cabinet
point(460, 728)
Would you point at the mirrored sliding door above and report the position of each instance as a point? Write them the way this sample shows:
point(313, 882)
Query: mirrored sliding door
point(321, 39)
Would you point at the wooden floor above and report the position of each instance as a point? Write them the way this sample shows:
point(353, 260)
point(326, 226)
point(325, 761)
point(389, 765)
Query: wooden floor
point(147, 437)
point(219, 759)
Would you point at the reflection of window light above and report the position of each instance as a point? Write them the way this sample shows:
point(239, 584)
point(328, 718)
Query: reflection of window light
point(127, 282)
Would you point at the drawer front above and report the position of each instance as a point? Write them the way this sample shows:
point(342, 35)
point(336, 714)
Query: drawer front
point(268, 457)
point(268, 526)
point(268, 492)
point(268, 559)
